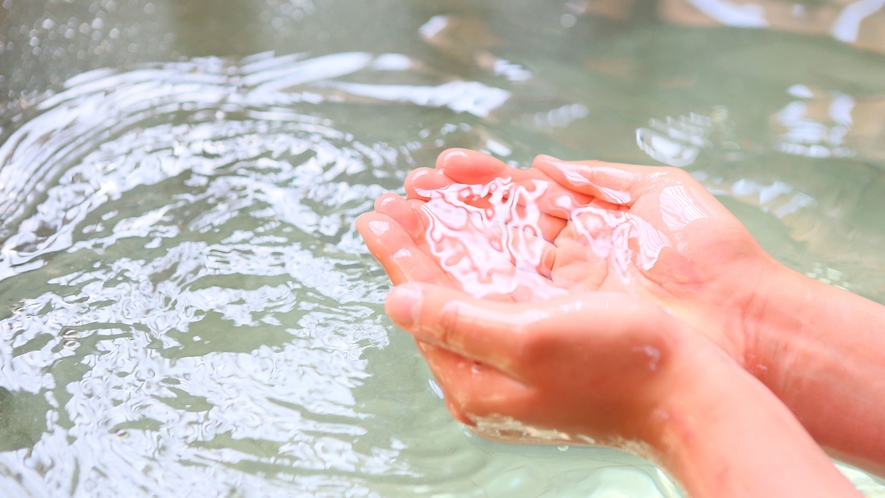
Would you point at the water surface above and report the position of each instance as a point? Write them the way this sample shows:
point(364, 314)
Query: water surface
point(185, 306)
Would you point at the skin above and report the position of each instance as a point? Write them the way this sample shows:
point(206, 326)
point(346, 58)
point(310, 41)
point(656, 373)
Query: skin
point(618, 310)
point(707, 276)
point(615, 369)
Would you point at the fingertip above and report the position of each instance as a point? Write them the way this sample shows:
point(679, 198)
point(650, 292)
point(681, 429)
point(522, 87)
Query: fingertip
point(422, 182)
point(450, 155)
point(545, 163)
point(469, 166)
point(403, 212)
point(362, 219)
point(384, 199)
point(416, 174)
point(363, 223)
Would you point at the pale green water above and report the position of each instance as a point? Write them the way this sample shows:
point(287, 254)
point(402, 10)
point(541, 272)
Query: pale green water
point(185, 308)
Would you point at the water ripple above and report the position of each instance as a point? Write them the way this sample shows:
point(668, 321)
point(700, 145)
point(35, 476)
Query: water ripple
point(187, 309)
point(179, 238)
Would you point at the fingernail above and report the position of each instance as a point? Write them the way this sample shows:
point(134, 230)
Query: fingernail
point(403, 305)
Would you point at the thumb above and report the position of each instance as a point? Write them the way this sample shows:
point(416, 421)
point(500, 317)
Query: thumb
point(480, 329)
point(504, 335)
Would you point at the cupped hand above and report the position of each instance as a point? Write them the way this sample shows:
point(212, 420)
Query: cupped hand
point(557, 231)
point(587, 367)
point(602, 302)
point(617, 370)
point(562, 227)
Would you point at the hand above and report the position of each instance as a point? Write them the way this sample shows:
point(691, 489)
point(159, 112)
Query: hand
point(623, 235)
point(591, 367)
point(503, 233)
point(613, 369)
point(535, 247)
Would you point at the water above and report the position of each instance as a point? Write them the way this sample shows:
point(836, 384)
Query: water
point(557, 228)
point(185, 306)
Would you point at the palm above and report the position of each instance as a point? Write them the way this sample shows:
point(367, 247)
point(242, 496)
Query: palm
point(650, 247)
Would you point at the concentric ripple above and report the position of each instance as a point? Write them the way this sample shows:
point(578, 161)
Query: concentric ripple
point(189, 311)
point(185, 308)
point(179, 258)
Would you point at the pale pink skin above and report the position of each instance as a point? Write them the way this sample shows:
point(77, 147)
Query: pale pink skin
point(632, 306)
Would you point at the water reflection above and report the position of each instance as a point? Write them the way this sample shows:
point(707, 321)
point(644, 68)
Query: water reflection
point(488, 237)
point(677, 141)
point(858, 22)
point(559, 227)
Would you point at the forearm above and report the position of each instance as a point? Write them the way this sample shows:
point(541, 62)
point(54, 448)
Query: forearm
point(821, 350)
point(723, 434)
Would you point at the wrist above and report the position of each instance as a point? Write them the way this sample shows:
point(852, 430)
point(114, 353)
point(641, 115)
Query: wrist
point(819, 350)
point(722, 433)
point(775, 316)
point(694, 373)
point(791, 319)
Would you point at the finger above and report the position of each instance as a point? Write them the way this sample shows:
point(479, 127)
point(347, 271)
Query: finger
point(506, 335)
point(473, 167)
point(534, 187)
point(488, 332)
point(470, 185)
point(422, 183)
point(403, 212)
point(476, 168)
point(472, 389)
point(397, 252)
point(470, 167)
point(616, 183)
point(408, 260)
